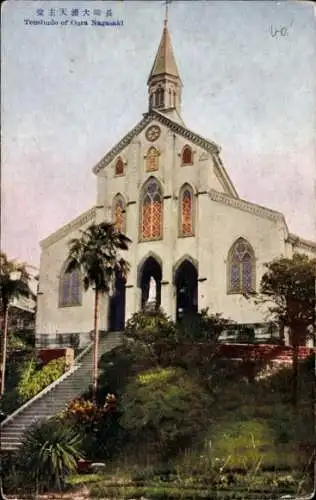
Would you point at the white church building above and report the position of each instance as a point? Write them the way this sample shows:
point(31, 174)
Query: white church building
point(165, 187)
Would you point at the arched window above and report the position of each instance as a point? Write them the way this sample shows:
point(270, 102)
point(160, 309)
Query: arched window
point(151, 210)
point(118, 213)
point(186, 206)
point(152, 159)
point(187, 156)
point(119, 167)
point(241, 267)
point(70, 287)
point(159, 97)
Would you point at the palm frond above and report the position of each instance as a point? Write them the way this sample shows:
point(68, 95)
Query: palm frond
point(96, 254)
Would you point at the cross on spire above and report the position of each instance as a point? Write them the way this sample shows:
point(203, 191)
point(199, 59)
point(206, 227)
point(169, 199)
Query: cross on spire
point(167, 2)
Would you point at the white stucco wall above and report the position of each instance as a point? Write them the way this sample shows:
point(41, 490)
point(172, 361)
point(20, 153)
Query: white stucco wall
point(220, 219)
point(217, 225)
point(52, 319)
point(220, 227)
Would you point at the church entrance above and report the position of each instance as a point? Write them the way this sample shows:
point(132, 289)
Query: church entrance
point(186, 284)
point(117, 306)
point(150, 268)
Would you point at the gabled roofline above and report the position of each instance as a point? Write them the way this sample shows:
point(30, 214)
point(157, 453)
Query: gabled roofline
point(209, 146)
point(223, 176)
point(247, 206)
point(69, 228)
point(197, 139)
point(125, 141)
point(301, 242)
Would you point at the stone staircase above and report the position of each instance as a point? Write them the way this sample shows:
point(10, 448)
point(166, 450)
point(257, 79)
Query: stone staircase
point(54, 397)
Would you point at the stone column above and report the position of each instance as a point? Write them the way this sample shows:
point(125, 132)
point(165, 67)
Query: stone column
point(170, 233)
point(203, 251)
point(131, 301)
point(167, 299)
point(203, 296)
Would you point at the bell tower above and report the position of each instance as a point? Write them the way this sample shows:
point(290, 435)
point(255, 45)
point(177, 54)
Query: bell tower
point(164, 82)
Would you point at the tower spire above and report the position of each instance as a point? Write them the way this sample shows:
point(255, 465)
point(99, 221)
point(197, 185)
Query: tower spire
point(164, 82)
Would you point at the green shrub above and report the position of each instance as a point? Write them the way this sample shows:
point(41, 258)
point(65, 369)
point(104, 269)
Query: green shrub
point(17, 361)
point(202, 326)
point(151, 326)
point(49, 452)
point(149, 338)
point(167, 404)
point(97, 425)
point(33, 381)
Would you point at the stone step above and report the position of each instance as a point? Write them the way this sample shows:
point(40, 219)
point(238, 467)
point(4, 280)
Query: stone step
point(56, 399)
point(11, 446)
point(10, 439)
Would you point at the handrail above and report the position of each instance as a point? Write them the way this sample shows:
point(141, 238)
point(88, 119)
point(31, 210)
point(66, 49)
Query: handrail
point(47, 389)
point(50, 386)
point(82, 354)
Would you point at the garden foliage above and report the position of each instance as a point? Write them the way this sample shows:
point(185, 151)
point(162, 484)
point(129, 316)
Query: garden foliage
point(168, 405)
point(97, 425)
point(49, 452)
point(34, 380)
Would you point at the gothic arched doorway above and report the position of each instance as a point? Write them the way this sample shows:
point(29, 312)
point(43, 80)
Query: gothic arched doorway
point(186, 283)
point(150, 268)
point(117, 306)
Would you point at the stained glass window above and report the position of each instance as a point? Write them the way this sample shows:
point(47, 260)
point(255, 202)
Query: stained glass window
point(186, 211)
point(119, 214)
point(119, 167)
point(70, 288)
point(151, 212)
point(247, 273)
point(152, 159)
point(187, 156)
point(241, 267)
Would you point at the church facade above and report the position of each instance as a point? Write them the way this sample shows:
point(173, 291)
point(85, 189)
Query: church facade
point(167, 189)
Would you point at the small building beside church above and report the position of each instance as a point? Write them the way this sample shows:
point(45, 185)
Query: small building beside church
point(166, 187)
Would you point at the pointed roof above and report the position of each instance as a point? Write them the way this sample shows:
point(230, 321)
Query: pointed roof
point(164, 60)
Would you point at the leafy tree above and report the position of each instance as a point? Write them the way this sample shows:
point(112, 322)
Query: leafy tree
point(14, 283)
point(49, 452)
point(95, 253)
point(288, 288)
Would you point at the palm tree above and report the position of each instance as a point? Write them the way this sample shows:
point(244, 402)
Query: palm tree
point(95, 253)
point(14, 283)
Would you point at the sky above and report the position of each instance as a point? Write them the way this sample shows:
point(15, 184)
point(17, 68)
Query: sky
point(71, 92)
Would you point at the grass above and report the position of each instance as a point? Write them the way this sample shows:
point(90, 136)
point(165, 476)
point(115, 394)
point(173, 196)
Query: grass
point(82, 479)
point(252, 446)
point(184, 492)
point(257, 442)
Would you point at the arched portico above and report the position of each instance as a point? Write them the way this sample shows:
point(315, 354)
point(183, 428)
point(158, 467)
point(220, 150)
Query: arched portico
point(117, 305)
point(150, 267)
point(186, 283)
